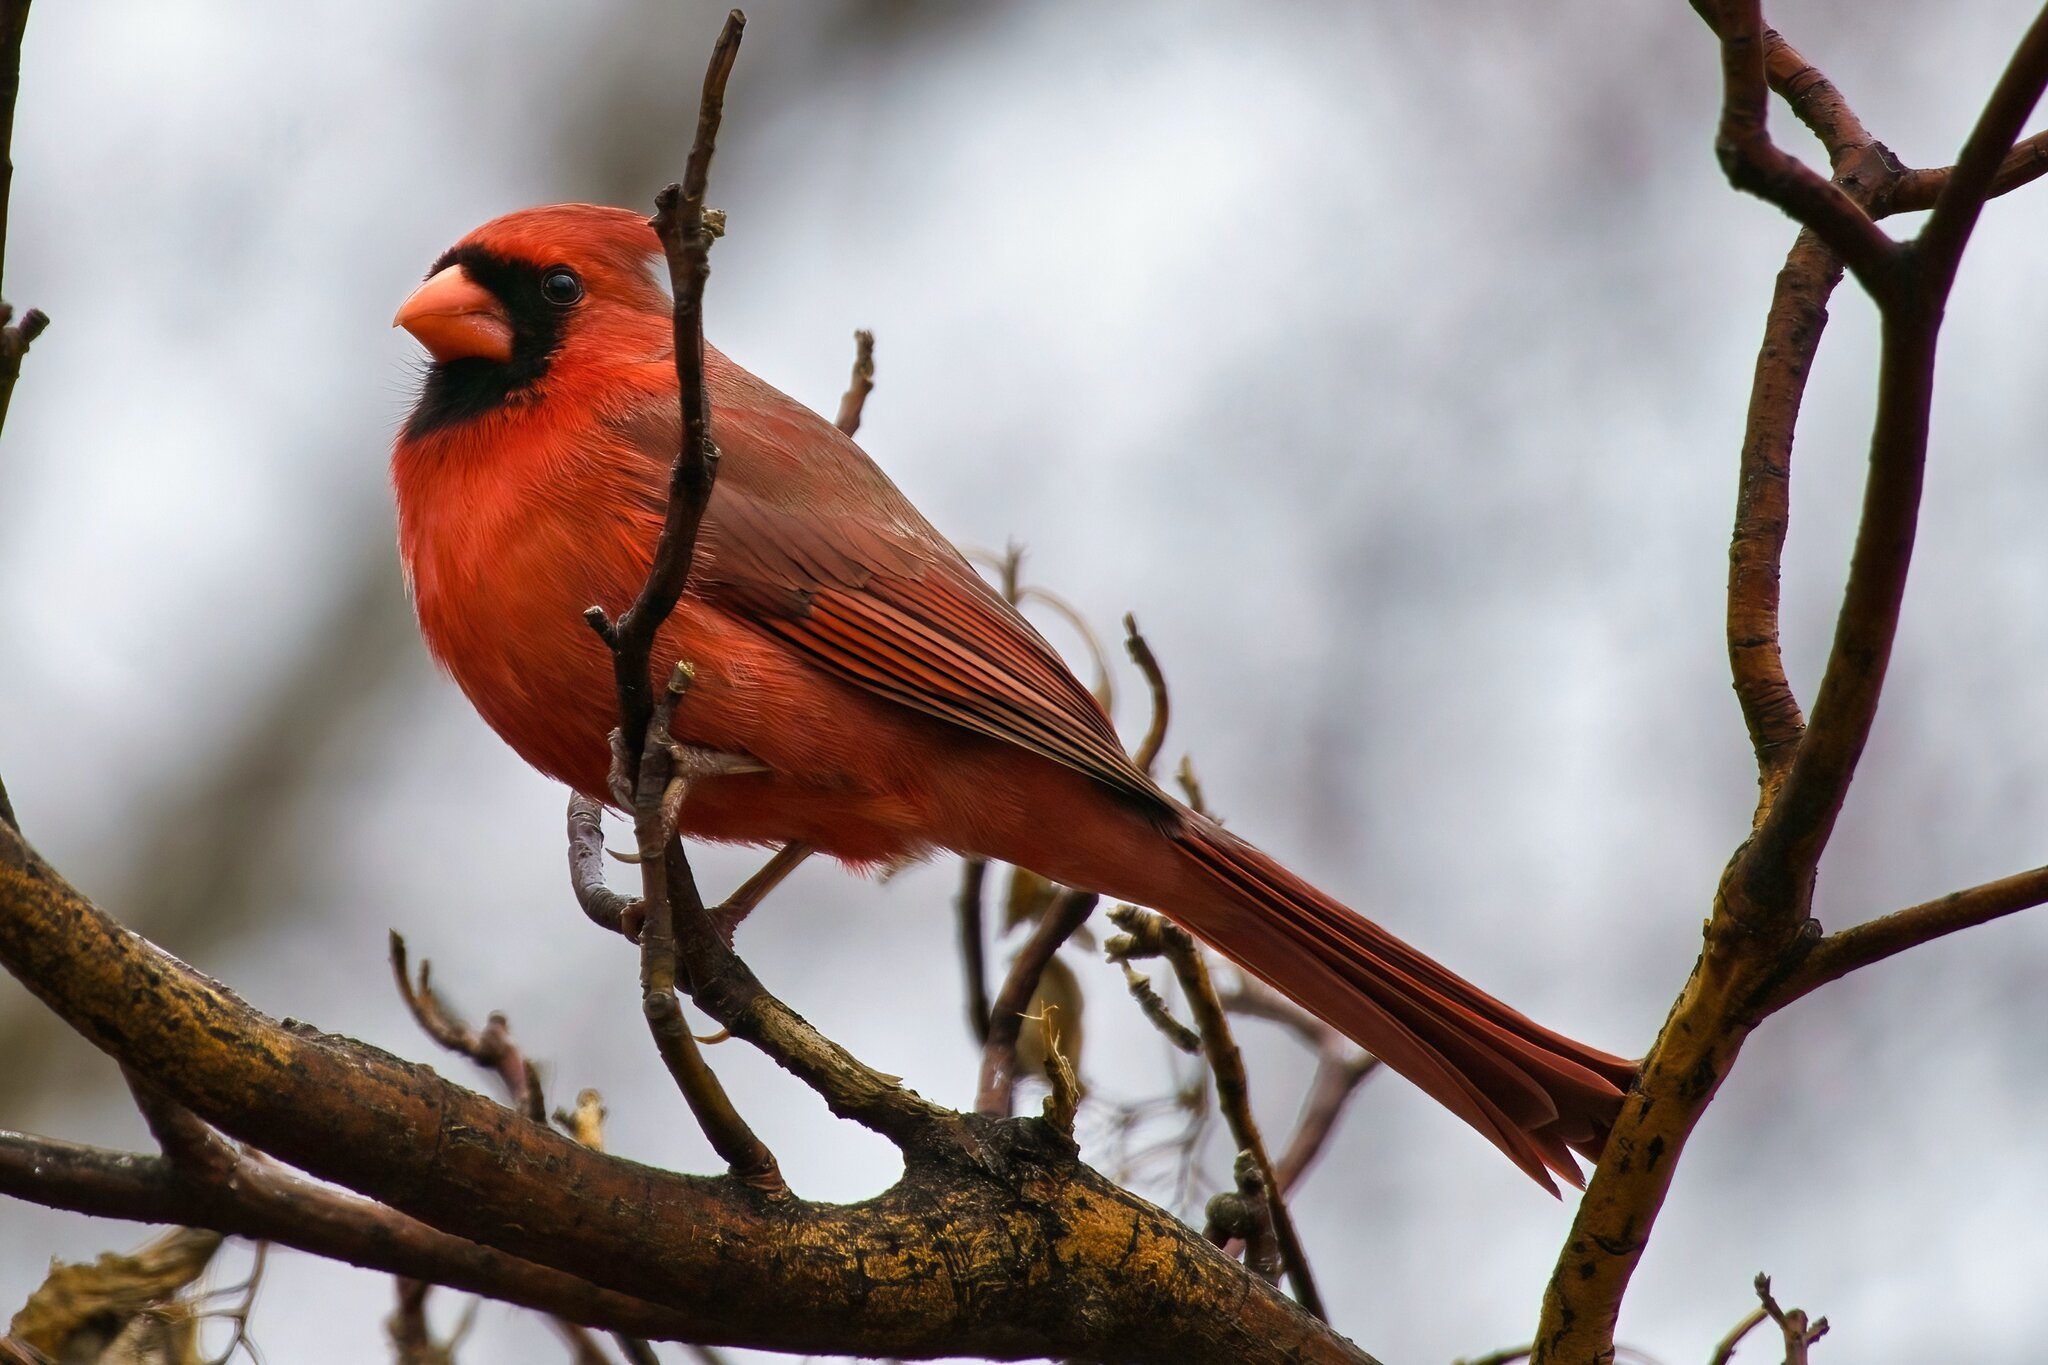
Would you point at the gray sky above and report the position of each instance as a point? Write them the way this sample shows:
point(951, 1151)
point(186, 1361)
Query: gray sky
point(1387, 361)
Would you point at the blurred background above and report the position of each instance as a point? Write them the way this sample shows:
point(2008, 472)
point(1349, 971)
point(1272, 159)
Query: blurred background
point(1387, 360)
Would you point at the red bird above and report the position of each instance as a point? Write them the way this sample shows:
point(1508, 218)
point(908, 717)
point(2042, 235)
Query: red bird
point(894, 703)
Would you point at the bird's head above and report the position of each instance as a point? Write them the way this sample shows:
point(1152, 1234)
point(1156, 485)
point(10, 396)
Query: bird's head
point(532, 301)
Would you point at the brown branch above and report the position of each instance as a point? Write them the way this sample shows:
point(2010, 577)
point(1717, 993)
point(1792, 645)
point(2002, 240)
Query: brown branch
point(1756, 165)
point(1760, 930)
point(1725, 1350)
point(996, 1094)
point(685, 239)
point(269, 1204)
point(860, 385)
point(2023, 165)
point(1811, 96)
point(1974, 178)
point(968, 910)
point(1243, 1218)
point(1873, 941)
point(605, 907)
point(1147, 752)
point(1156, 1011)
point(15, 337)
point(1799, 1333)
point(1233, 1092)
point(185, 1139)
point(1792, 333)
point(1126, 1280)
point(743, 901)
point(493, 1049)
point(1340, 1070)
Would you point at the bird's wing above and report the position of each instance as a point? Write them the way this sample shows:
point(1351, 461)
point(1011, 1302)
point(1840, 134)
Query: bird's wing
point(808, 540)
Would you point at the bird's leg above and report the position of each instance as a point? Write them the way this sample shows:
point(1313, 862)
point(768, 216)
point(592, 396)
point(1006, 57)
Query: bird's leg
point(726, 917)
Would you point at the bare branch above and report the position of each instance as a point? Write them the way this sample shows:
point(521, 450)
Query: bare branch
point(606, 908)
point(967, 906)
point(1340, 1070)
point(15, 337)
point(1725, 1351)
point(860, 385)
point(1755, 164)
point(1133, 1283)
point(493, 1049)
point(269, 1204)
point(1147, 752)
point(1761, 929)
point(996, 1094)
point(1799, 1333)
point(2026, 163)
point(1974, 178)
point(1848, 950)
point(1233, 1091)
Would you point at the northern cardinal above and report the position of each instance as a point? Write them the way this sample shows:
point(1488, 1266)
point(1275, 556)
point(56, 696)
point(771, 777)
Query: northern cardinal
point(891, 702)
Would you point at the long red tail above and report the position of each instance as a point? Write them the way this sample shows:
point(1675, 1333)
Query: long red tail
point(1535, 1094)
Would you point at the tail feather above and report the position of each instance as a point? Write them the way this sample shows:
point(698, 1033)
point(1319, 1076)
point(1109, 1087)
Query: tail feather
point(1536, 1094)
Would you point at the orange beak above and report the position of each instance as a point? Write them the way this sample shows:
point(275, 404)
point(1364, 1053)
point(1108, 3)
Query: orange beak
point(453, 316)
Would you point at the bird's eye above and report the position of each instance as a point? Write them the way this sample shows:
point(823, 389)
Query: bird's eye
point(560, 286)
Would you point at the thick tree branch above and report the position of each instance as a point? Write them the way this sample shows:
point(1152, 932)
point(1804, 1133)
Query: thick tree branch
point(947, 1262)
point(269, 1204)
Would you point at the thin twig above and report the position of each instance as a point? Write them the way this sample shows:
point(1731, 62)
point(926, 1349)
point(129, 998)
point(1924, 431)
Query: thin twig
point(860, 385)
point(493, 1049)
point(1725, 1351)
point(1340, 1070)
point(15, 337)
point(967, 905)
point(1147, 752)
point(995, 1096)
point(1848, 950)
point(1233, 1097)
point(2023, 165)
point(1156, 1010)
point(1799, 1333)
point(652, 769)
point(757, 888)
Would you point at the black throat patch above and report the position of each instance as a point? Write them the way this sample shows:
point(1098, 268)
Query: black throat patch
point(457, 390)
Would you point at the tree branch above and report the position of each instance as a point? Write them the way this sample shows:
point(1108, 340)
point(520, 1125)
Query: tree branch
point(967, 909)
point(1753, 163)
point(1096, 1271)
point(860, 385)
point(493, 1049)
point(1148, 934)
point(1848, 950)
point(268, 1204)
point(996, 1094)
point(1760, 931)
